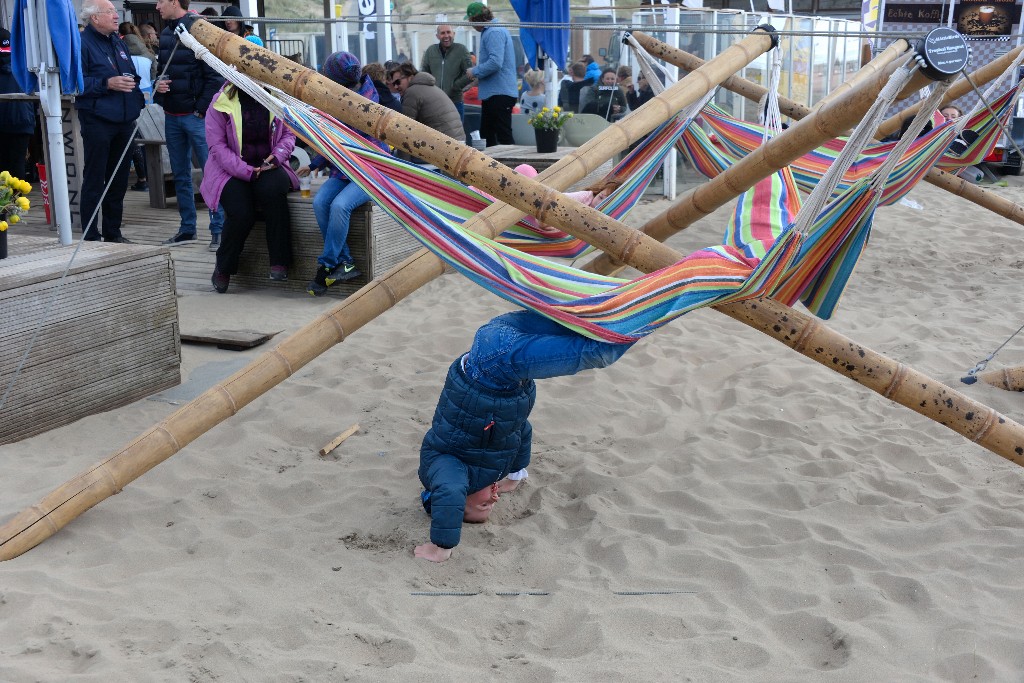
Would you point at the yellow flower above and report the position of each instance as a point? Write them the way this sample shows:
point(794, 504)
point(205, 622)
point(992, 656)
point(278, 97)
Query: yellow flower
point(14, 218)
point(3, 224)
point(545, 109)
point(557, 109)
point(25, 187)
point(22, 203)
point(4, 176)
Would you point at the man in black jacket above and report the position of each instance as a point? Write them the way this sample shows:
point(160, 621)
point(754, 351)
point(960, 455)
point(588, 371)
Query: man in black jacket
point(185, 95)
point(107, 110)
point(17, 117)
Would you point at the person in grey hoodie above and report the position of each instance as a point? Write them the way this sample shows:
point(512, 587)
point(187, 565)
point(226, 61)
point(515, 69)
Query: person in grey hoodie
point(423, 101)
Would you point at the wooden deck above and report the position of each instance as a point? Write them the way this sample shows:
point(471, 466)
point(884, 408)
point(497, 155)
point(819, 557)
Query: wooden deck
point(193, 263)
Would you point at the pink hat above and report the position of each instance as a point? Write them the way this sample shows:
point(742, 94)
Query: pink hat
point(526, 170)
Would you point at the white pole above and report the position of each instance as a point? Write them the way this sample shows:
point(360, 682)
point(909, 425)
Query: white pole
point(39, 52)
point(669, 169)
point(384, 31)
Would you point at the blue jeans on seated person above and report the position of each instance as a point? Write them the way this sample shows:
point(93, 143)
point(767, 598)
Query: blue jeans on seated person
point(185, 134)
point(517, 347)
point(333, 206)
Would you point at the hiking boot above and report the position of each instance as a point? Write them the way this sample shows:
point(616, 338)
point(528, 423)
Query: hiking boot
point(140, 186)
point(318, 285)
point(214, 243)
point(278, 273)
point(344, 271)
point(181, 238)
point(220, 280)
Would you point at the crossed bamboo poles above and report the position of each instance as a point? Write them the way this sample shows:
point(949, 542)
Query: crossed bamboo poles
point(32, 526)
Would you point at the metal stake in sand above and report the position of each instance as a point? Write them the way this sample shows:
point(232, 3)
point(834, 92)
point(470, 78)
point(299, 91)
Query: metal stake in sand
point(34, 525)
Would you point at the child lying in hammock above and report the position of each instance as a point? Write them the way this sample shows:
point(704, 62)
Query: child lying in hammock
point(592, 196)
point(478, 445)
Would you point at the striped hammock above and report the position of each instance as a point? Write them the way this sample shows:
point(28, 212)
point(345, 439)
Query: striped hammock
point(739, 138)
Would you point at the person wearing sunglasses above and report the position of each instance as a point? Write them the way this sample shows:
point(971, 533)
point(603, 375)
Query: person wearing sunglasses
point(423, 101)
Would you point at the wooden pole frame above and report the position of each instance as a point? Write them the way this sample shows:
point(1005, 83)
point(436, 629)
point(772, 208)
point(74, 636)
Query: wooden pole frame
point(809, 336)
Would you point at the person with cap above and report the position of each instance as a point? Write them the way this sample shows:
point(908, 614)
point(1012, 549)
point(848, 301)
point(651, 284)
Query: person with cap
point(233, 24)
point(479, 441)
point(447, 61)
point(339, 196)
point(107, 109)
point(496, 76)
point(185, 89)
point(424, 102)
point(17, 117)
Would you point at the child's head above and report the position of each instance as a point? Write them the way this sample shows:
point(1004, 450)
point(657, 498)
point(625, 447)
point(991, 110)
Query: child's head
point(480, 504)
point(603, 188)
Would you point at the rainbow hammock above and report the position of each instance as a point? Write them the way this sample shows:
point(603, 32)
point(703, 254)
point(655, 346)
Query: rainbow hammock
point(601, 307)
point(739, 138)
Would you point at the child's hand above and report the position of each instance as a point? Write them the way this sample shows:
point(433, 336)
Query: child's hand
point(429, 551)
point(506, 485)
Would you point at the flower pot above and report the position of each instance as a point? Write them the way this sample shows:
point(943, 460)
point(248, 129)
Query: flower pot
point(547, 140)
point(3, 244)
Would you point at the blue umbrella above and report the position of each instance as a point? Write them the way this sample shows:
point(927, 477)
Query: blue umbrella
point(63, 25)
point(553, 41)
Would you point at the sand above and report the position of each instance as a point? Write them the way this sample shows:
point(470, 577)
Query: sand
point(714, 507)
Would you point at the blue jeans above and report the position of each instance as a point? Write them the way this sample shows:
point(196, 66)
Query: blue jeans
point(333, 206)
point(516, 347)
point(460, 107)
point(185, 134)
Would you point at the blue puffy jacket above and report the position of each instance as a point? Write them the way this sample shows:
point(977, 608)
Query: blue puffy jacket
point(478, 437)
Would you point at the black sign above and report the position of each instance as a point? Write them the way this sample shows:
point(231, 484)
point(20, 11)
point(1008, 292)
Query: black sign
point(907, 13)
point(945, 51)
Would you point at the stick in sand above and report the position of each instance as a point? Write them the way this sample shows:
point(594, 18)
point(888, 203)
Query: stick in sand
point(338, 439)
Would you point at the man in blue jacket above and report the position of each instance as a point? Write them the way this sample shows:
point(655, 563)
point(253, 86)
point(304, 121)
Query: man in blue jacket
point(478, 445)
point(496, 75)
point(17, 117)
point(185, 95)
point(107, 109)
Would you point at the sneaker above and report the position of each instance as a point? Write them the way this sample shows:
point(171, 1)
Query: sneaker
point(181, 238)
point(318, 285)
point(343, 272)
point(278, 273)
point(220, 280)
point(120, 240)
point(140, 187)
point(214, 243)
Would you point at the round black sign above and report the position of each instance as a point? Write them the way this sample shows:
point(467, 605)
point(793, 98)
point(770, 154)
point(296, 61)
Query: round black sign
point(945, 51)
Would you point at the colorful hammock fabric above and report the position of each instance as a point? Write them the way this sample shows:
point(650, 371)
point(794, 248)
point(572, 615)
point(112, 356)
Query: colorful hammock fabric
point(601, 307)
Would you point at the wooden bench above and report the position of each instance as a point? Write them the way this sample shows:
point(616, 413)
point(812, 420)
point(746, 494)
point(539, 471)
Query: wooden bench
point(376, 240)
point(109, 339)
point(158, 162)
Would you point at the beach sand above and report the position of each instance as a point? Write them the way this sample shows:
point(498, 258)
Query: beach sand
point(713, 507)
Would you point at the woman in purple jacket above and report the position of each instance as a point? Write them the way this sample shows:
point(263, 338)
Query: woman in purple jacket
point(248, 169)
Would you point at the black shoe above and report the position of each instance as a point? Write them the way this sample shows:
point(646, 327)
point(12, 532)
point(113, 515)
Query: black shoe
point(214, 243)
point(120, 240)
point(318, 285)
point(220, 280)
point(279, 273)
point(140, 187)
point(344, 271)
point(181, 238)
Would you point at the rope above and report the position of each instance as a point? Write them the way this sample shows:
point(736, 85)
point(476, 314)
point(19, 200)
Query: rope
point(970, 378)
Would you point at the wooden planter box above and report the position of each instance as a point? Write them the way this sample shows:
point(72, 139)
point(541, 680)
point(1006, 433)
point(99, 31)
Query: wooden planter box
point(377, 243)
point(110, 336)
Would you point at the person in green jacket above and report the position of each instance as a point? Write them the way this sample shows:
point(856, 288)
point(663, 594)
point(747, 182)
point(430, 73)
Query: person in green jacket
point(447, 62)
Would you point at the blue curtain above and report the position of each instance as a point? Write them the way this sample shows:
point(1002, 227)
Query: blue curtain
point(554, 41)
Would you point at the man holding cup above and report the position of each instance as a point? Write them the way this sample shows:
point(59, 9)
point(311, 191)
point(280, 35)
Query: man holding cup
point(107, 109)
point(185, 93)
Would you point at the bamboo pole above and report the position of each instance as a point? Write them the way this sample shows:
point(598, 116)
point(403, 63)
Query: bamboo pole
point(960, 87)
point(806, 335)
point(1011, 379)
point(34, 525)
point(995, 203)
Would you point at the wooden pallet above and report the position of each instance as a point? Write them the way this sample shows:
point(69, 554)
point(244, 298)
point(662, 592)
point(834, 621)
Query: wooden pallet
point(107, 337)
